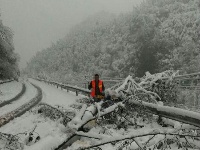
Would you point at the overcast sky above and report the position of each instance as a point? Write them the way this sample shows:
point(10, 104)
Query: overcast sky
point(38, 23)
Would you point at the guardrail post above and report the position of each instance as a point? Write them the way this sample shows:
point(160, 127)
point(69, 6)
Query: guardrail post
point(69, 87)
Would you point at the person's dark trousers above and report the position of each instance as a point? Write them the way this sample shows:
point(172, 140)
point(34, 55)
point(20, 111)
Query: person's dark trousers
point(97, 99)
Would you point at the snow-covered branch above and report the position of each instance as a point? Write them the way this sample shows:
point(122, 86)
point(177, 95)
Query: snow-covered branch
point(151, 134)
point(91, 113)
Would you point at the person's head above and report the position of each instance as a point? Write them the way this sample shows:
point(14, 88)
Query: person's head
point(96, 77)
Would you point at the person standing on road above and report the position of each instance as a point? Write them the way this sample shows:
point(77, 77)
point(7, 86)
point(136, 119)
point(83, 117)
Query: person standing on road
point(97, 88)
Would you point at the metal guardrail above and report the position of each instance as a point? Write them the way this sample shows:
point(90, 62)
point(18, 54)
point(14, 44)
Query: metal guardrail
point(181, 115)
point(75, 89)
point(188, 80)
point(178, 114)
point(188, 75)
point(183, 76)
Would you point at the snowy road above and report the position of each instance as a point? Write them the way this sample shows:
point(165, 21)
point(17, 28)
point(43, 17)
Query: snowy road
point(9, 90)
point(52, 133)
point(49, 131)
point(54, 96)
point(28, 95)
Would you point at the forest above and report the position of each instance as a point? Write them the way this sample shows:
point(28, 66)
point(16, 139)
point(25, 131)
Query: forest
point(8, 58)
point(157, 35)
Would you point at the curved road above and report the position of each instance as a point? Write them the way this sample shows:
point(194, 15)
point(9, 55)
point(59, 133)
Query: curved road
point(54, 96)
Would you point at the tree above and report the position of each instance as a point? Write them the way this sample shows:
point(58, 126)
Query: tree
point(8, 59)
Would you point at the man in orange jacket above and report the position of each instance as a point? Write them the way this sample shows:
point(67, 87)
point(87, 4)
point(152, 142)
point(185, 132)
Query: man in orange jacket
point(97, 87)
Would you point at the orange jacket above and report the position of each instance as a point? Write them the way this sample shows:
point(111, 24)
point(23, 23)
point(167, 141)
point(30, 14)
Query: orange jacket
point(93, 92)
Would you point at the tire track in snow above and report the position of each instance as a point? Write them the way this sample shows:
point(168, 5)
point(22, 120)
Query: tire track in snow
point(29, 94)
point(16, 97)
point(23, 108)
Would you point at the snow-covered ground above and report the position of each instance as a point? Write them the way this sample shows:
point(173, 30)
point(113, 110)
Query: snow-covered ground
point(52, 133)
point(28, 95)
point(56, 97)
point(9, 90)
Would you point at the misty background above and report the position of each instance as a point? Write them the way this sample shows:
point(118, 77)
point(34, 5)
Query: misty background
point(37, 24)
point(67, 40)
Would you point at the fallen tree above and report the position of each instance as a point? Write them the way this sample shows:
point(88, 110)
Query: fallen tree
point(137, 100)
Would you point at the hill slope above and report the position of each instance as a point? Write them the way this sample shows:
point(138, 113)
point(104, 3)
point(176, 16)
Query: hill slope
point(155, 36)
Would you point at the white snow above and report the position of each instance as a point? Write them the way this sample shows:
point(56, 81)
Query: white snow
point(28, 95)
point(179, 111)
point(52, 133)
point(9, 90)
point(54, 96)
point(79, 115)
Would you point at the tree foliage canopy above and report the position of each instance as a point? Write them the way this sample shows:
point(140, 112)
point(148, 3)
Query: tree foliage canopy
point(156, 36)
point(8, 58)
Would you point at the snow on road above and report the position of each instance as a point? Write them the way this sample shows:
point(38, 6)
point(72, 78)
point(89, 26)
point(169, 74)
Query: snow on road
point(56, 97)
point(52, 133)
point(28, 95)
point(9, 90)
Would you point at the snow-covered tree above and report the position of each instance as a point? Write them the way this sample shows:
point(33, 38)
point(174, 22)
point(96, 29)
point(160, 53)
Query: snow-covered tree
point(155, 36)
point(8, 58)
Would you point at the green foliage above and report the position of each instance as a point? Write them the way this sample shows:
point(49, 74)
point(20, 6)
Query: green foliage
point(156, 36)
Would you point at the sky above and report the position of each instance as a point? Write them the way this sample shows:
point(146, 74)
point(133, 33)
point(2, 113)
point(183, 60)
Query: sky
point(39, 23)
